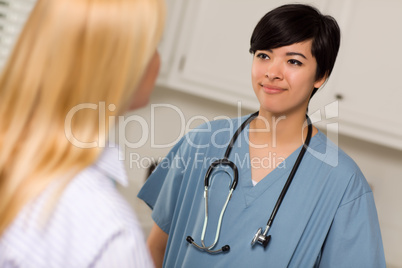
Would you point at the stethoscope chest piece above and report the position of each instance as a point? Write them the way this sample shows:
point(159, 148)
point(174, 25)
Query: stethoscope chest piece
point(261, 238)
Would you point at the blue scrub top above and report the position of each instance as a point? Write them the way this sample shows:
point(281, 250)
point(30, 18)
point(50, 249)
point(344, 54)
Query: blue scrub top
point(327, 218)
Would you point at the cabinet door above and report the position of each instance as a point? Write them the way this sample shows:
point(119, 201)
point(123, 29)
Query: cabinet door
point(213, 58)
point(174, 11)
point(366, 80)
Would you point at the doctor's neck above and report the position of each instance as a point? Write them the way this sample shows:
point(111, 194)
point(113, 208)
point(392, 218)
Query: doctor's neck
point(283, 129)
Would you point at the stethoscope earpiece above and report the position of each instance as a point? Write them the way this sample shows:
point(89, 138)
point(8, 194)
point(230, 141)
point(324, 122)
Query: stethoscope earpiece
point(190, 239)
point(223, 249)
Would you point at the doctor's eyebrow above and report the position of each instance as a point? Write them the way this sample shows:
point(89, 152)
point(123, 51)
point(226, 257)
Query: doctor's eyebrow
point(290, 53)
point(295, 54)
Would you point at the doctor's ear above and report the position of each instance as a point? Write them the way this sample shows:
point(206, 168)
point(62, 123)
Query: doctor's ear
point(320, 81)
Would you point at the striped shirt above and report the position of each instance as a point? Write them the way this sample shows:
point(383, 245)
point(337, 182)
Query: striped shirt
point(91, 225)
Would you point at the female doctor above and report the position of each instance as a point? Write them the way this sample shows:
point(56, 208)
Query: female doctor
point(320, 207)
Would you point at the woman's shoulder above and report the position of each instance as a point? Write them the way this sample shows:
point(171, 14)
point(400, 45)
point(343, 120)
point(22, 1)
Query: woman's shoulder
point(88, 214)
point(97, 195)
point(339, 166)
point(95, 212)
point(327, 151)
point(93, 196)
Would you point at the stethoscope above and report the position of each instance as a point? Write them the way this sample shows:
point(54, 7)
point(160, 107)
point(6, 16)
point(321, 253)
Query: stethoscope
point(260, 237)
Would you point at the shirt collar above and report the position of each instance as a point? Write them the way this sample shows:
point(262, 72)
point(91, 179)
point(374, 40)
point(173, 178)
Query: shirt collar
point(110, 165)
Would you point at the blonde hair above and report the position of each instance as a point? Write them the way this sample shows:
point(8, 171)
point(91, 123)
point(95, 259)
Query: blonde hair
point(70, 52)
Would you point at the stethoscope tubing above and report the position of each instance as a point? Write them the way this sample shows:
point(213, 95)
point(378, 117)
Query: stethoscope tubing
point(262, 237)
point(292, 173)
point(226, 162)
point(219, 225)
point(259, 237)
point(237, 133)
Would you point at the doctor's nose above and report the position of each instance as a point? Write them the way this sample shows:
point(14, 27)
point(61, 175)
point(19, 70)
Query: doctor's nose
point(274, 72)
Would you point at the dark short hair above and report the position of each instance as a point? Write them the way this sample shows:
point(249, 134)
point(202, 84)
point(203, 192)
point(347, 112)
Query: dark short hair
point(295, 23)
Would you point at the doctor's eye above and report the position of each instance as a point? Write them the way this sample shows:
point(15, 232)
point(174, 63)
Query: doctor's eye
point(295, 62)
point(262, 56)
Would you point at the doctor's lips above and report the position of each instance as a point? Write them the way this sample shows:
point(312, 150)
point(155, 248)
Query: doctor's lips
point(271, 89)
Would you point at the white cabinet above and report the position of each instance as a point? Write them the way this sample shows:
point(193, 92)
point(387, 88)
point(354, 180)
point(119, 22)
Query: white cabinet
point(366, 79)
point(212, 56)
point(205, 53)
point(174, 20)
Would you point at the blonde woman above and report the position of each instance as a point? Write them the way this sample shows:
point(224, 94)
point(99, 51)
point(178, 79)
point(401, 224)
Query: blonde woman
point(58, 205)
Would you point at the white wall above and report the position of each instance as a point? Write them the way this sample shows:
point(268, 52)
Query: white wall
point(382, 166)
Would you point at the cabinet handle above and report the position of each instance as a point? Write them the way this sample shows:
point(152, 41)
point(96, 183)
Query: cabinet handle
point(182, 63)
point(339, 97)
